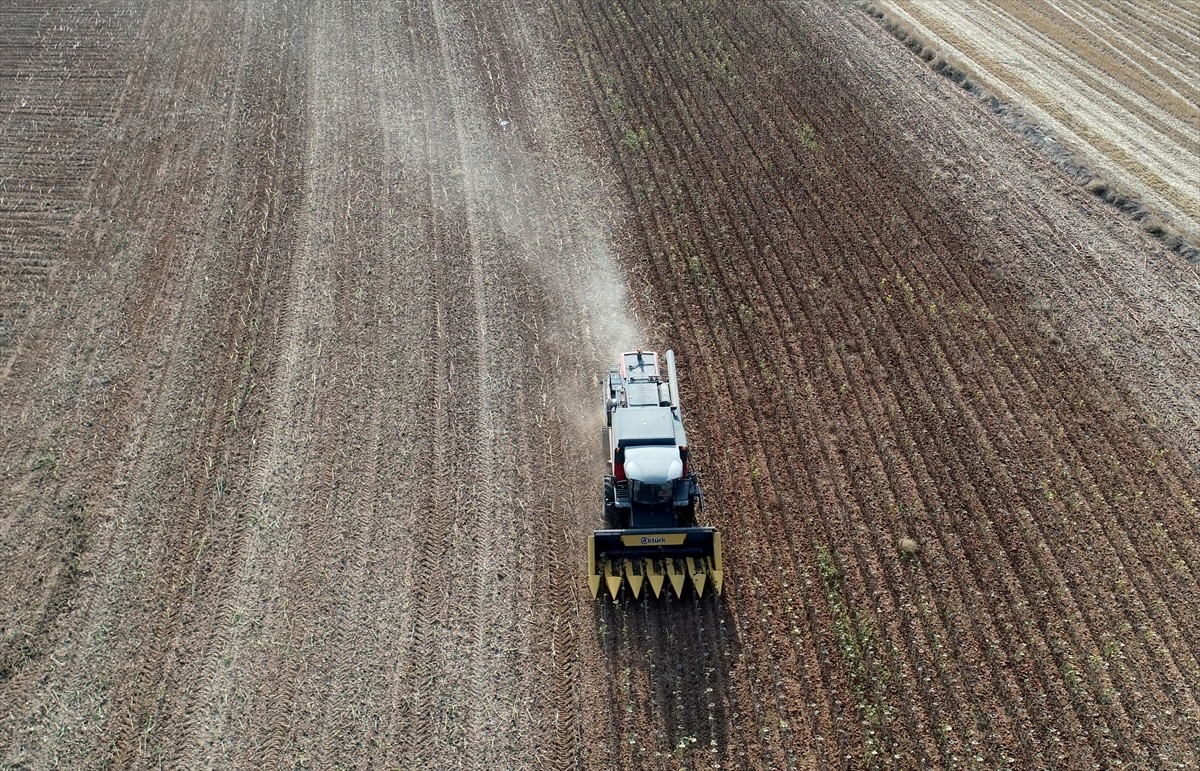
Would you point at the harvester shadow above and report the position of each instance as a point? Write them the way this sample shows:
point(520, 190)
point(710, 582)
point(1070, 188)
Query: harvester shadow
point(669, 663)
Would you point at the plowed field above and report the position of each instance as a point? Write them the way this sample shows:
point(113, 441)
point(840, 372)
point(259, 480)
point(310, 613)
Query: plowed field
point(1115, 81)
point(304, 310)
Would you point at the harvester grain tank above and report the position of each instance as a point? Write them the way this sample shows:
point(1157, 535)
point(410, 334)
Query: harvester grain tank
point(651, 497)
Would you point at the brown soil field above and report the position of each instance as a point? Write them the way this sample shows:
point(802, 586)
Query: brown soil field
point(304, 311)
point(1117, 82)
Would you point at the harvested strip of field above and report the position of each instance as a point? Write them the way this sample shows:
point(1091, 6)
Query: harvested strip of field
point(1116, 81)
point(297, 451)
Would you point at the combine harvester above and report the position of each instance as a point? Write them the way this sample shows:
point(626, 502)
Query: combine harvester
point(651, 499)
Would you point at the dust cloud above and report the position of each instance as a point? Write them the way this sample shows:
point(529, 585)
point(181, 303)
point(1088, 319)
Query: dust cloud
point(543, 211)
point(525, 163)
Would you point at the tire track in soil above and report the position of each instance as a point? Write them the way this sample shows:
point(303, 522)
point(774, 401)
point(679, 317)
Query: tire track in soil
point(328, 530)
point(324, 627)
point(234, 302)
point(429, 721)
point(549, 491)
point(497, 245)
point(254, 664)
point(550, 227)
point(453, 553)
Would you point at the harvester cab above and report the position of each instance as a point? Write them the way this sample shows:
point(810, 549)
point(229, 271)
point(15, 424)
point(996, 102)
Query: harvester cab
point(651, 498)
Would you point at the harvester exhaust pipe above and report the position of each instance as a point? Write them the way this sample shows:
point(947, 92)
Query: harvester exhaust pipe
point(671, 382)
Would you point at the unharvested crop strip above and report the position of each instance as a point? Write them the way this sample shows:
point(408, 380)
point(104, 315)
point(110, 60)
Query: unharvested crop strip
point(748, 195)
point(599, 100)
